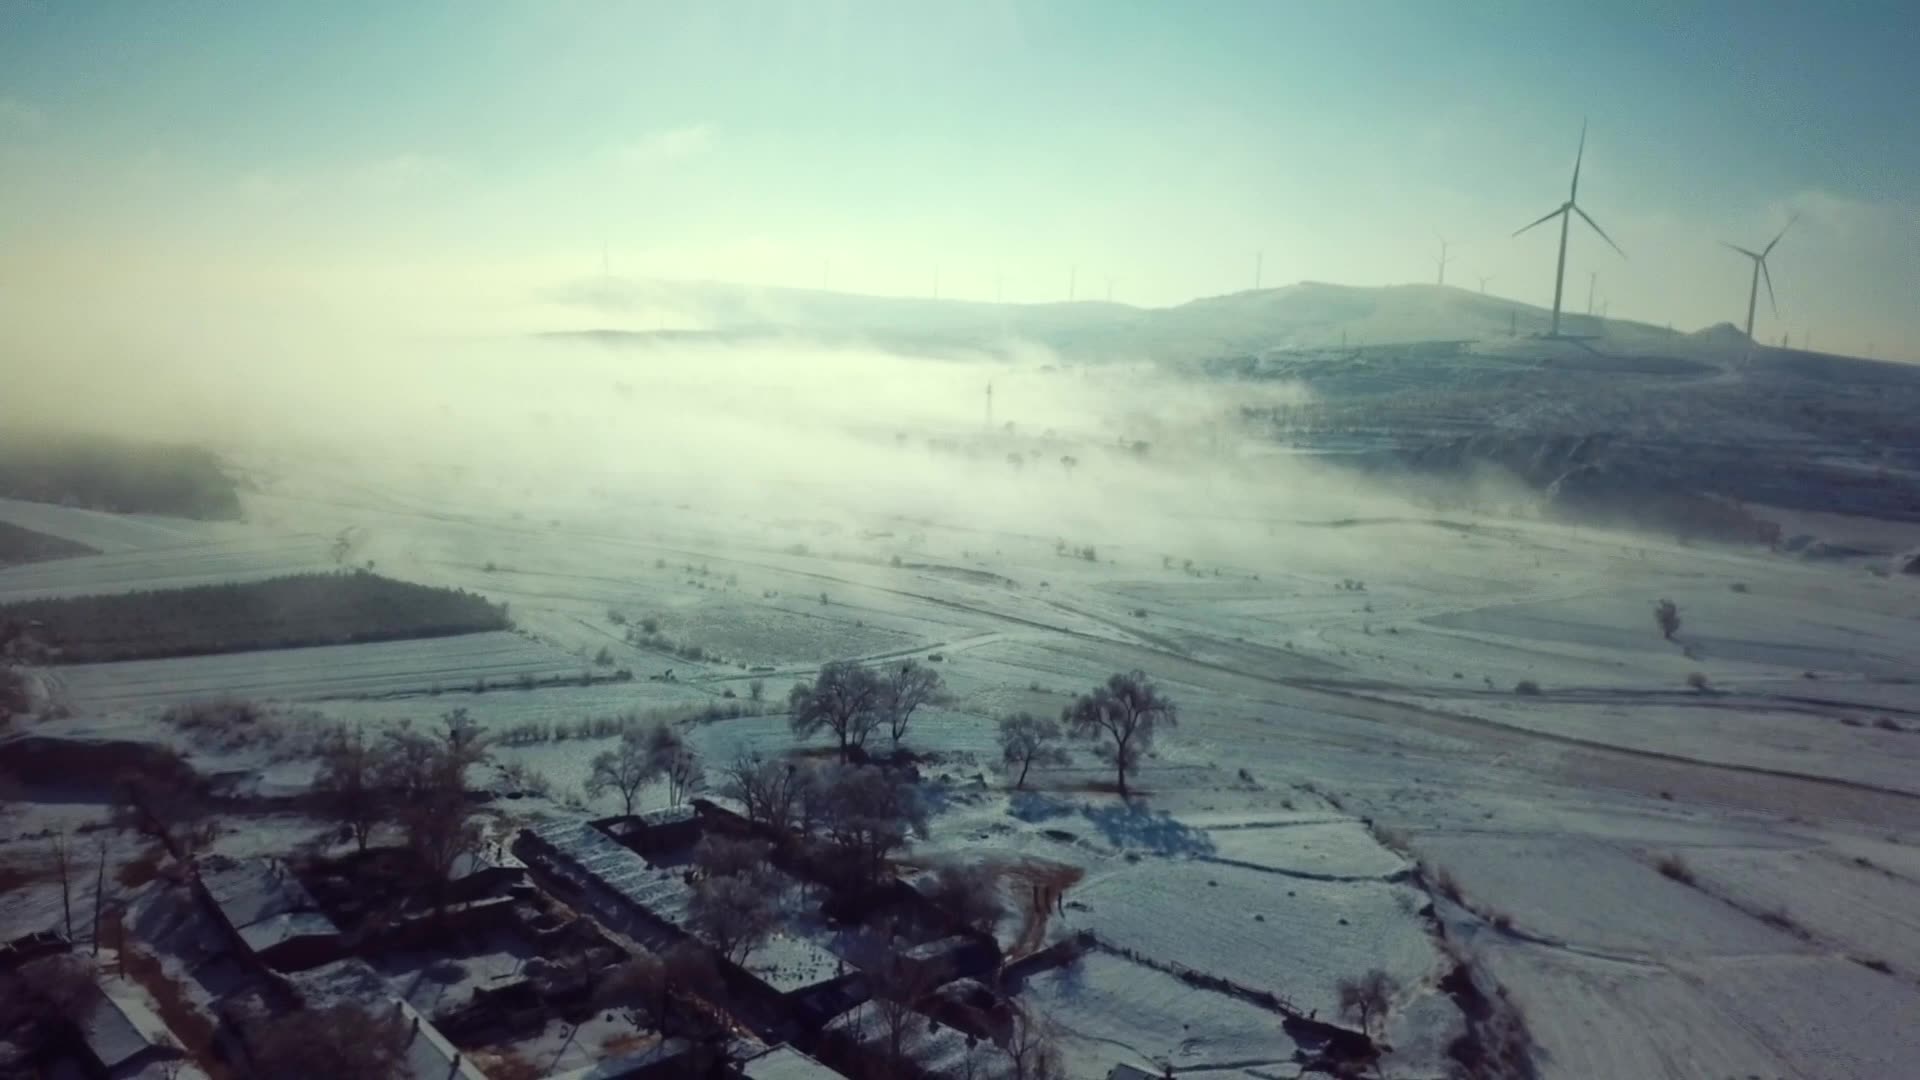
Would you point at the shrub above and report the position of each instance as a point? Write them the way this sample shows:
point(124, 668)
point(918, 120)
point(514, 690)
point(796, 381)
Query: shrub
point(1527, 688)
point(1698, 680)
point(650, 626)
point(1674, 868)
point(1887, 723)
point(1667, 616)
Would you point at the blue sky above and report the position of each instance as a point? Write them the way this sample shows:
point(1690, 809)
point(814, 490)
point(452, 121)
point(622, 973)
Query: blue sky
point(491, 149)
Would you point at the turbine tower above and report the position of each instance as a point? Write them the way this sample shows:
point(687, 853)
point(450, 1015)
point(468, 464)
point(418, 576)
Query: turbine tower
point(1444, 260)
point(1759, 271)
point(1565, 214)
point(1484, 278)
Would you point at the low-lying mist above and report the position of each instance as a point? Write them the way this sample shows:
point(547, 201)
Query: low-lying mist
point(782, 429)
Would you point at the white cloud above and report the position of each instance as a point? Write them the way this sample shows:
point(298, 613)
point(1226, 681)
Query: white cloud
point(400, 172)
point(668, 145)
point(387, 176)
point(18, 116)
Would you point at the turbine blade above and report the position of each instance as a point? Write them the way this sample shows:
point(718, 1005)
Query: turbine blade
point(1741, 250)
point(1768, 275)
point(1601, 231)
point(1574, 191)
point(1783, 231)
point(1542, 221)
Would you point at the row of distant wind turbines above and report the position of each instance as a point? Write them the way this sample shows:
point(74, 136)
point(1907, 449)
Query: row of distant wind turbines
point(1566, 211)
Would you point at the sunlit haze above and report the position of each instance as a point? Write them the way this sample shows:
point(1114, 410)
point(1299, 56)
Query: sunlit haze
point(201, 171)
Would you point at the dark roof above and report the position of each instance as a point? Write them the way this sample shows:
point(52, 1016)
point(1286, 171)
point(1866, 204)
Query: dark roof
point(263, 902)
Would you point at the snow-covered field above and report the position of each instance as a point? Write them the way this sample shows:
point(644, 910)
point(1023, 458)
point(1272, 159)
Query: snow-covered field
point(1336, 666)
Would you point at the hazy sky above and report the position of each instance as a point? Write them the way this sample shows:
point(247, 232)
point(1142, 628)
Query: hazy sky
point(309, 159)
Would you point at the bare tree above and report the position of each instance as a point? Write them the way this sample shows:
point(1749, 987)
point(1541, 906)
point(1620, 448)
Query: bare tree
point(898, 991)
point(58, 987)
point(165, 801)
point(1033, 1049)
point(347, 784)
point(675, 762)
point(768, 789)
point(1367, 997)
point(734, 913)
point(1027, 740)
point(684, 774)
point(1666, 614)
point(970, 894)
point(869, 814)
point(845, 700)
point(690, 968)
point(322, 1044)
point(1125, 710)
point(724, 856)
point(624, 770)
point(427, 776)
point(639, 986)
point(905, 689)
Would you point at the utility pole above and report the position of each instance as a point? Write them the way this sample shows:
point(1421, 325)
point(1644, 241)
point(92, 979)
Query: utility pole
point(63, 862)
point(989, 406)
point(1109, 290)
point(1593, 277)
point(99, 893)
point(1259, 267)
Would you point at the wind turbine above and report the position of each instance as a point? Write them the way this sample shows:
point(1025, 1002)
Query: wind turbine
point(1443, 257)
point(1565, 214)
point(1484, 278)
point(1759, 271)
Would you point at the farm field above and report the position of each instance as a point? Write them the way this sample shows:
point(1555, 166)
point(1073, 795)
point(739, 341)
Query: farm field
point(1350, 727)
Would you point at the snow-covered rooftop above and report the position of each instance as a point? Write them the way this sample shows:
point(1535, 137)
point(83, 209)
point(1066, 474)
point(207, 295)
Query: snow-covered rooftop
point(786, 1063)
point(659, 890)
point(264, 902)
point(120, 1027)
point(628, 1064)
point(668, 815)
